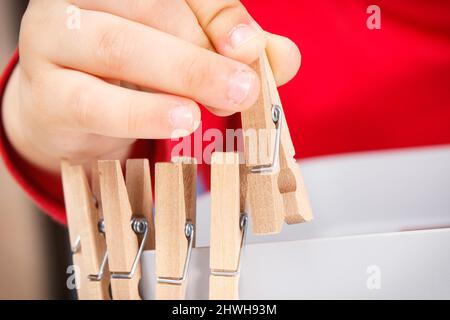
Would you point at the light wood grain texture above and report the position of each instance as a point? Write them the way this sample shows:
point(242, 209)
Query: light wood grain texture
point(93, 243)
point(139, 186)
point(290, 181)
point(223, 288)
point(84, 217)
point(189, 166)
point(171, 242)
point(243, 201)
point(166, 291)
point(279, 197)
point(121, 240)
point(95, 182)
point(266, 208)
point(226, 235)
point(175, 204)
point(74, 224)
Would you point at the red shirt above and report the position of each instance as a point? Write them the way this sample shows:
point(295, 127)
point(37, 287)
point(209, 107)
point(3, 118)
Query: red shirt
point(357, 90)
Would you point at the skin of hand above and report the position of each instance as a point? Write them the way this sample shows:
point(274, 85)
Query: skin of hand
point(134, 69)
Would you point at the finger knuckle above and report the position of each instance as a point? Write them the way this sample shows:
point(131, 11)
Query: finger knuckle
point(79, 98)
point(195, 72)
point(136, 122)
point(221, 8)
point(114, 47)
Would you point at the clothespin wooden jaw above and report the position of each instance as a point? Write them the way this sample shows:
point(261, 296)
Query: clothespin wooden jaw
point(276, 189)
point(86, 237)
point(228, 226)
point(175, 189)
point(127, 210)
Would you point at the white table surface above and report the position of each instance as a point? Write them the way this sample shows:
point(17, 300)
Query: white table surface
point(386, 210)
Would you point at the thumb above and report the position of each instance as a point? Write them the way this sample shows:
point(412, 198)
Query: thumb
point(231, 29)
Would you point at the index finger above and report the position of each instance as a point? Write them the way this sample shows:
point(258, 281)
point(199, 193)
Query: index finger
point(115, 48)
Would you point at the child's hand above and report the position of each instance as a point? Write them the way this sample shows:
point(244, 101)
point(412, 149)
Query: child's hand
point(74, 94)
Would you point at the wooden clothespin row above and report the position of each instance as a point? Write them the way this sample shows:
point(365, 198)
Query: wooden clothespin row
point(175, 196)
point(228, 226)
point(276, 189)
point(129, 224)
point(86, 234)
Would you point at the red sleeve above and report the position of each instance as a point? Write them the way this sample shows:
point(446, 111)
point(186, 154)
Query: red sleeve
point(45, 189)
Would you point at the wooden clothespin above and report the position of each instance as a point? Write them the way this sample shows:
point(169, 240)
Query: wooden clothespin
point(127, 210)
point(86, 234)
point(276, 189)
point(175, 195)
point(228, 226)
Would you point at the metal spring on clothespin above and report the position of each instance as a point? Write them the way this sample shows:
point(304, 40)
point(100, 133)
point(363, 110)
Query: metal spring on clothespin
point(89, 245)
point(99, 276)
point(276, 190)
point(127, 210)
point(139, 226)
point(233, 273)
point(277, 118)
point(189, 232)
point(228, 225)
point(175, 189)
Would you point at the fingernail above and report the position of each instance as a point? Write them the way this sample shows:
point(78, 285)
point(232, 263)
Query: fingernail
point(240, 34)
point(182, 118)
point(240, 84)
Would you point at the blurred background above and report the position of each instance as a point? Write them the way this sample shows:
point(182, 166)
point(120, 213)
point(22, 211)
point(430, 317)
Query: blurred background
point(33, 249)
